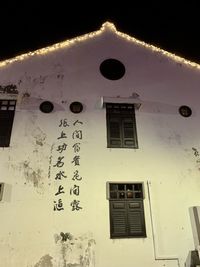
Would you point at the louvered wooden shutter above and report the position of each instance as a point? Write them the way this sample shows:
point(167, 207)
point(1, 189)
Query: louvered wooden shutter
point(129, 132)
point(136, 225)
point(118, 219)
point(114, 131)
point(127, 219)
point(6, 122)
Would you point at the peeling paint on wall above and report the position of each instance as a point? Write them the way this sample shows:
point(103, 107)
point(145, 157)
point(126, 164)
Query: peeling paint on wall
point(70, 251)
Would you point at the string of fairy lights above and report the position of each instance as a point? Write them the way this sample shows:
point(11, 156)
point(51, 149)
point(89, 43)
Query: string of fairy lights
point(105, 26)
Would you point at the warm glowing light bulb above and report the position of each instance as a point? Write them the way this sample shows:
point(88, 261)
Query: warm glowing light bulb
point(105, 26)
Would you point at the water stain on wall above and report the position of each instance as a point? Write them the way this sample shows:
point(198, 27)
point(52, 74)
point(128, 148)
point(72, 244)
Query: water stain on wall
point(30, 81)
point(45, 261)
point(175, 137)
point(70, 251)
point(25, 96)
point(39, 136)
point(33, 176)
point(40, 80)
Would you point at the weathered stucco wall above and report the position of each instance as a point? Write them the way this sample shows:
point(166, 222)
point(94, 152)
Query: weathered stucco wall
point(34, 233)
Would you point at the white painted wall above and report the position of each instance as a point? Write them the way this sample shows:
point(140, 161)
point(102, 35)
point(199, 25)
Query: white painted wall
point(30, 229)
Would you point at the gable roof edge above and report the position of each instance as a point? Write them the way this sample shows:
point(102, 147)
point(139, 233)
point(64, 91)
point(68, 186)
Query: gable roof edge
point(170, 55)
point(107, 26)
point(56, 46)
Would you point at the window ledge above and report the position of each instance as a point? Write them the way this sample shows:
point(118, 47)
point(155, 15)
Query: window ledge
point(121, 100)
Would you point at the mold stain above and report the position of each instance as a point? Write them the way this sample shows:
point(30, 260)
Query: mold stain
point(19, 82)
point(74, 251)
point(25, 95)
point(197, 157)
point(40, 80)
point(28, 79)
point(33, 176)
point(45, 261)
point(39, 136)
point(60, 76)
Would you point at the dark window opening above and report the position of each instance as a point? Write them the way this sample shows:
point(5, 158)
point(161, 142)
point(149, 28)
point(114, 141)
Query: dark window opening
point(126, 210)
point(7, 113)
point(121, 126)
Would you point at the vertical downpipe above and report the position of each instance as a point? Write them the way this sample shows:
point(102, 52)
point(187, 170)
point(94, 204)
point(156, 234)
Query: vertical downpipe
point(163, 258)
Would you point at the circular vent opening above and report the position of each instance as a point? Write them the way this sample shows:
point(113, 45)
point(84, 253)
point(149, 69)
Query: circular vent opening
point(112, 69)
point(185, 111)
point(46, 107)
point(76, 107)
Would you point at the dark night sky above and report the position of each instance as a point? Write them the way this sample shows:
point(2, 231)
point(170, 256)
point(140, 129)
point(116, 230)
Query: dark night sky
point(29, 26)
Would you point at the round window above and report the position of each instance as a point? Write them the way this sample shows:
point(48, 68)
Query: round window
point(185, 111)
point(112, 69)
point(46, 107)
point(76, 107)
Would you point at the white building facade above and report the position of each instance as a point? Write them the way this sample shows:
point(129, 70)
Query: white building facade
point(100, 155)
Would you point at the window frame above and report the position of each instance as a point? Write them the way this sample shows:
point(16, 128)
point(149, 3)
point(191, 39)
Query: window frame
point(123, 116)
point(7, 113)
point(1, 191)
point(127, 218)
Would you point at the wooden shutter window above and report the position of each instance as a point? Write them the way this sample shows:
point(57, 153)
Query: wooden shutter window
point(136, 219)
point(118, 219)
point(119, 224)
point(126, 210)
point(114, 131)
point(129, 132)
point(121, 126)
point(127, 219)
